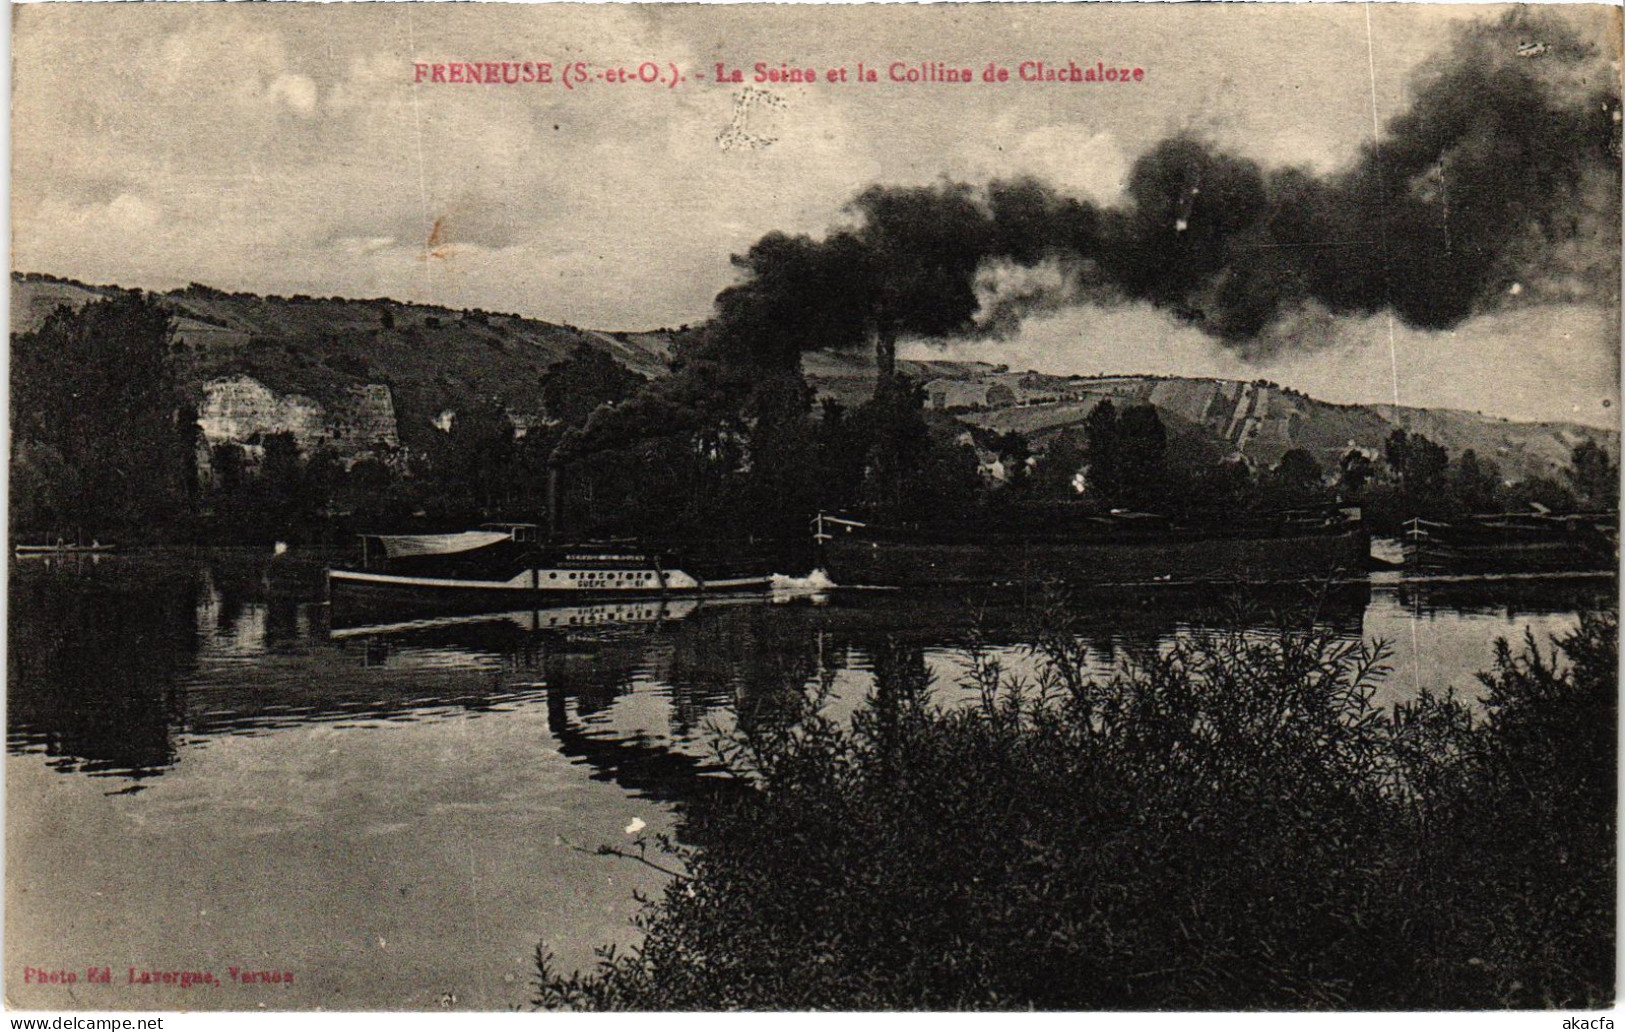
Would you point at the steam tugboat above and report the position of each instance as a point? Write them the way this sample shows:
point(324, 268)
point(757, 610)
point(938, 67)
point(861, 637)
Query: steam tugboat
point(506, 566)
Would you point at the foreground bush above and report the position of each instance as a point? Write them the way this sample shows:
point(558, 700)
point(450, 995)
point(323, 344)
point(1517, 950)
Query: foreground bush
point(1229, 824)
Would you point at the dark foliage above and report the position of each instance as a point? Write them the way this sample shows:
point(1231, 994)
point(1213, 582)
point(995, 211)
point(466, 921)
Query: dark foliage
point(470, 467)
point(1354, 472)
point(575, 388)
point(1594, 476)
point(1297, 481)
point(100, 445)
point(1228, 824)
point(719, 450)
point(1418, 478)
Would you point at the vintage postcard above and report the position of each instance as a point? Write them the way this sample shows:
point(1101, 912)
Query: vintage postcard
point(1104, 507)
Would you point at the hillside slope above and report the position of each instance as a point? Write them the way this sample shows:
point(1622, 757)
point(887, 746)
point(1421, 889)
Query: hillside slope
point(1257, 420)
point(430, 358)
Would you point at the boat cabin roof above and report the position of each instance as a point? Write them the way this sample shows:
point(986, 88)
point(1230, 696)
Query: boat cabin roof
point(516, 531)
point(399, 546)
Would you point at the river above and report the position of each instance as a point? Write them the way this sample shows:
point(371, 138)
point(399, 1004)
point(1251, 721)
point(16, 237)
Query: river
point(204, 775)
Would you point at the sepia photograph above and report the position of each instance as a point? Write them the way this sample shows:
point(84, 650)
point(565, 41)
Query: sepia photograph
point(956, 507)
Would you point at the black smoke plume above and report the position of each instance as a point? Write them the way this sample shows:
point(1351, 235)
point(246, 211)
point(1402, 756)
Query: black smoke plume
point(910, 268)
point(1500, 185)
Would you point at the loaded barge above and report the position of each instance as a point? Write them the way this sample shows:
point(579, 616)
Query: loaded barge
point(1116, 550)
point(506, 565)
point(1514, 543)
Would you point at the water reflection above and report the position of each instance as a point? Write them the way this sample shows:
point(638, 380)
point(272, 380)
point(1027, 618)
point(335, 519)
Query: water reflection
point(1511, 597)
point(116, 665)
point(308, 791)
point(96, 655)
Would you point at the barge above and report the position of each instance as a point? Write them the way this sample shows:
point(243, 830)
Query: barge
point(1119, 549)
point(1514, 543)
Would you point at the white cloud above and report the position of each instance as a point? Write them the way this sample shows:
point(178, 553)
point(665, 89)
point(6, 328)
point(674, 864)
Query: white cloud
point(1079, 160)
point(127, 212)
point(1553, 363)
point(298, 92)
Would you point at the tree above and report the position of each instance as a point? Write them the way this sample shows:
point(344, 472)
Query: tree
point(1477, 483)
point(1354, 472)
point(1126, 455)
point(321, 481)
point(779, 490)
point(899, 444)
point(1594, 476)
point(1142, 474)
point(1419, 463)
point(1420, 466)
point(1541, 493)
point(574, 388)
point(1102, 451)
point(841, 456)
point(1223, 488)
point(473, 462)
point(95, 402)
point(227, 498)
point(1295, 481)
point(1055, 474)
point(280, 489)
point(373, 493)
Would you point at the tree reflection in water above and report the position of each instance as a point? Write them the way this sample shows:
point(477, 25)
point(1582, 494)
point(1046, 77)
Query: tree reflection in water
point(94, 655)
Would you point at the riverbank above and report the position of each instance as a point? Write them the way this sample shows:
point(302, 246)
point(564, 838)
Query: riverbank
point(1230, 824)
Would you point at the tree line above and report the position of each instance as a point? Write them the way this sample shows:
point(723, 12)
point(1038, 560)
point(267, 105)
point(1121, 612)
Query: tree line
point(733, 444)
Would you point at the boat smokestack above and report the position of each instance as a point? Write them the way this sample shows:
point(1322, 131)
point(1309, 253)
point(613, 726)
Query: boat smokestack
point(552, 502)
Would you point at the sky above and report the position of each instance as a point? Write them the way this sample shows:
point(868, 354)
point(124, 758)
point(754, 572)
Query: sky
point(286, 148)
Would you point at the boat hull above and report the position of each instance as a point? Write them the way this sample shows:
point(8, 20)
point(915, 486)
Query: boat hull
point(1513, 544)
point(1516, 557)
point(1320, 556)
point(355, 592)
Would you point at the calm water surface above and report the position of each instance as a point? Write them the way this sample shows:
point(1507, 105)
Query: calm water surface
point(204, 772)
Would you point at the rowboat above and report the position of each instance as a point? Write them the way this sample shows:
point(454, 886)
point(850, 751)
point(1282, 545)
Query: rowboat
point(65, 548)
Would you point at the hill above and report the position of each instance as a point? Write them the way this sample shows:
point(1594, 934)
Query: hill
point(327, 349)
point(1259, 421)
point(333, 354)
